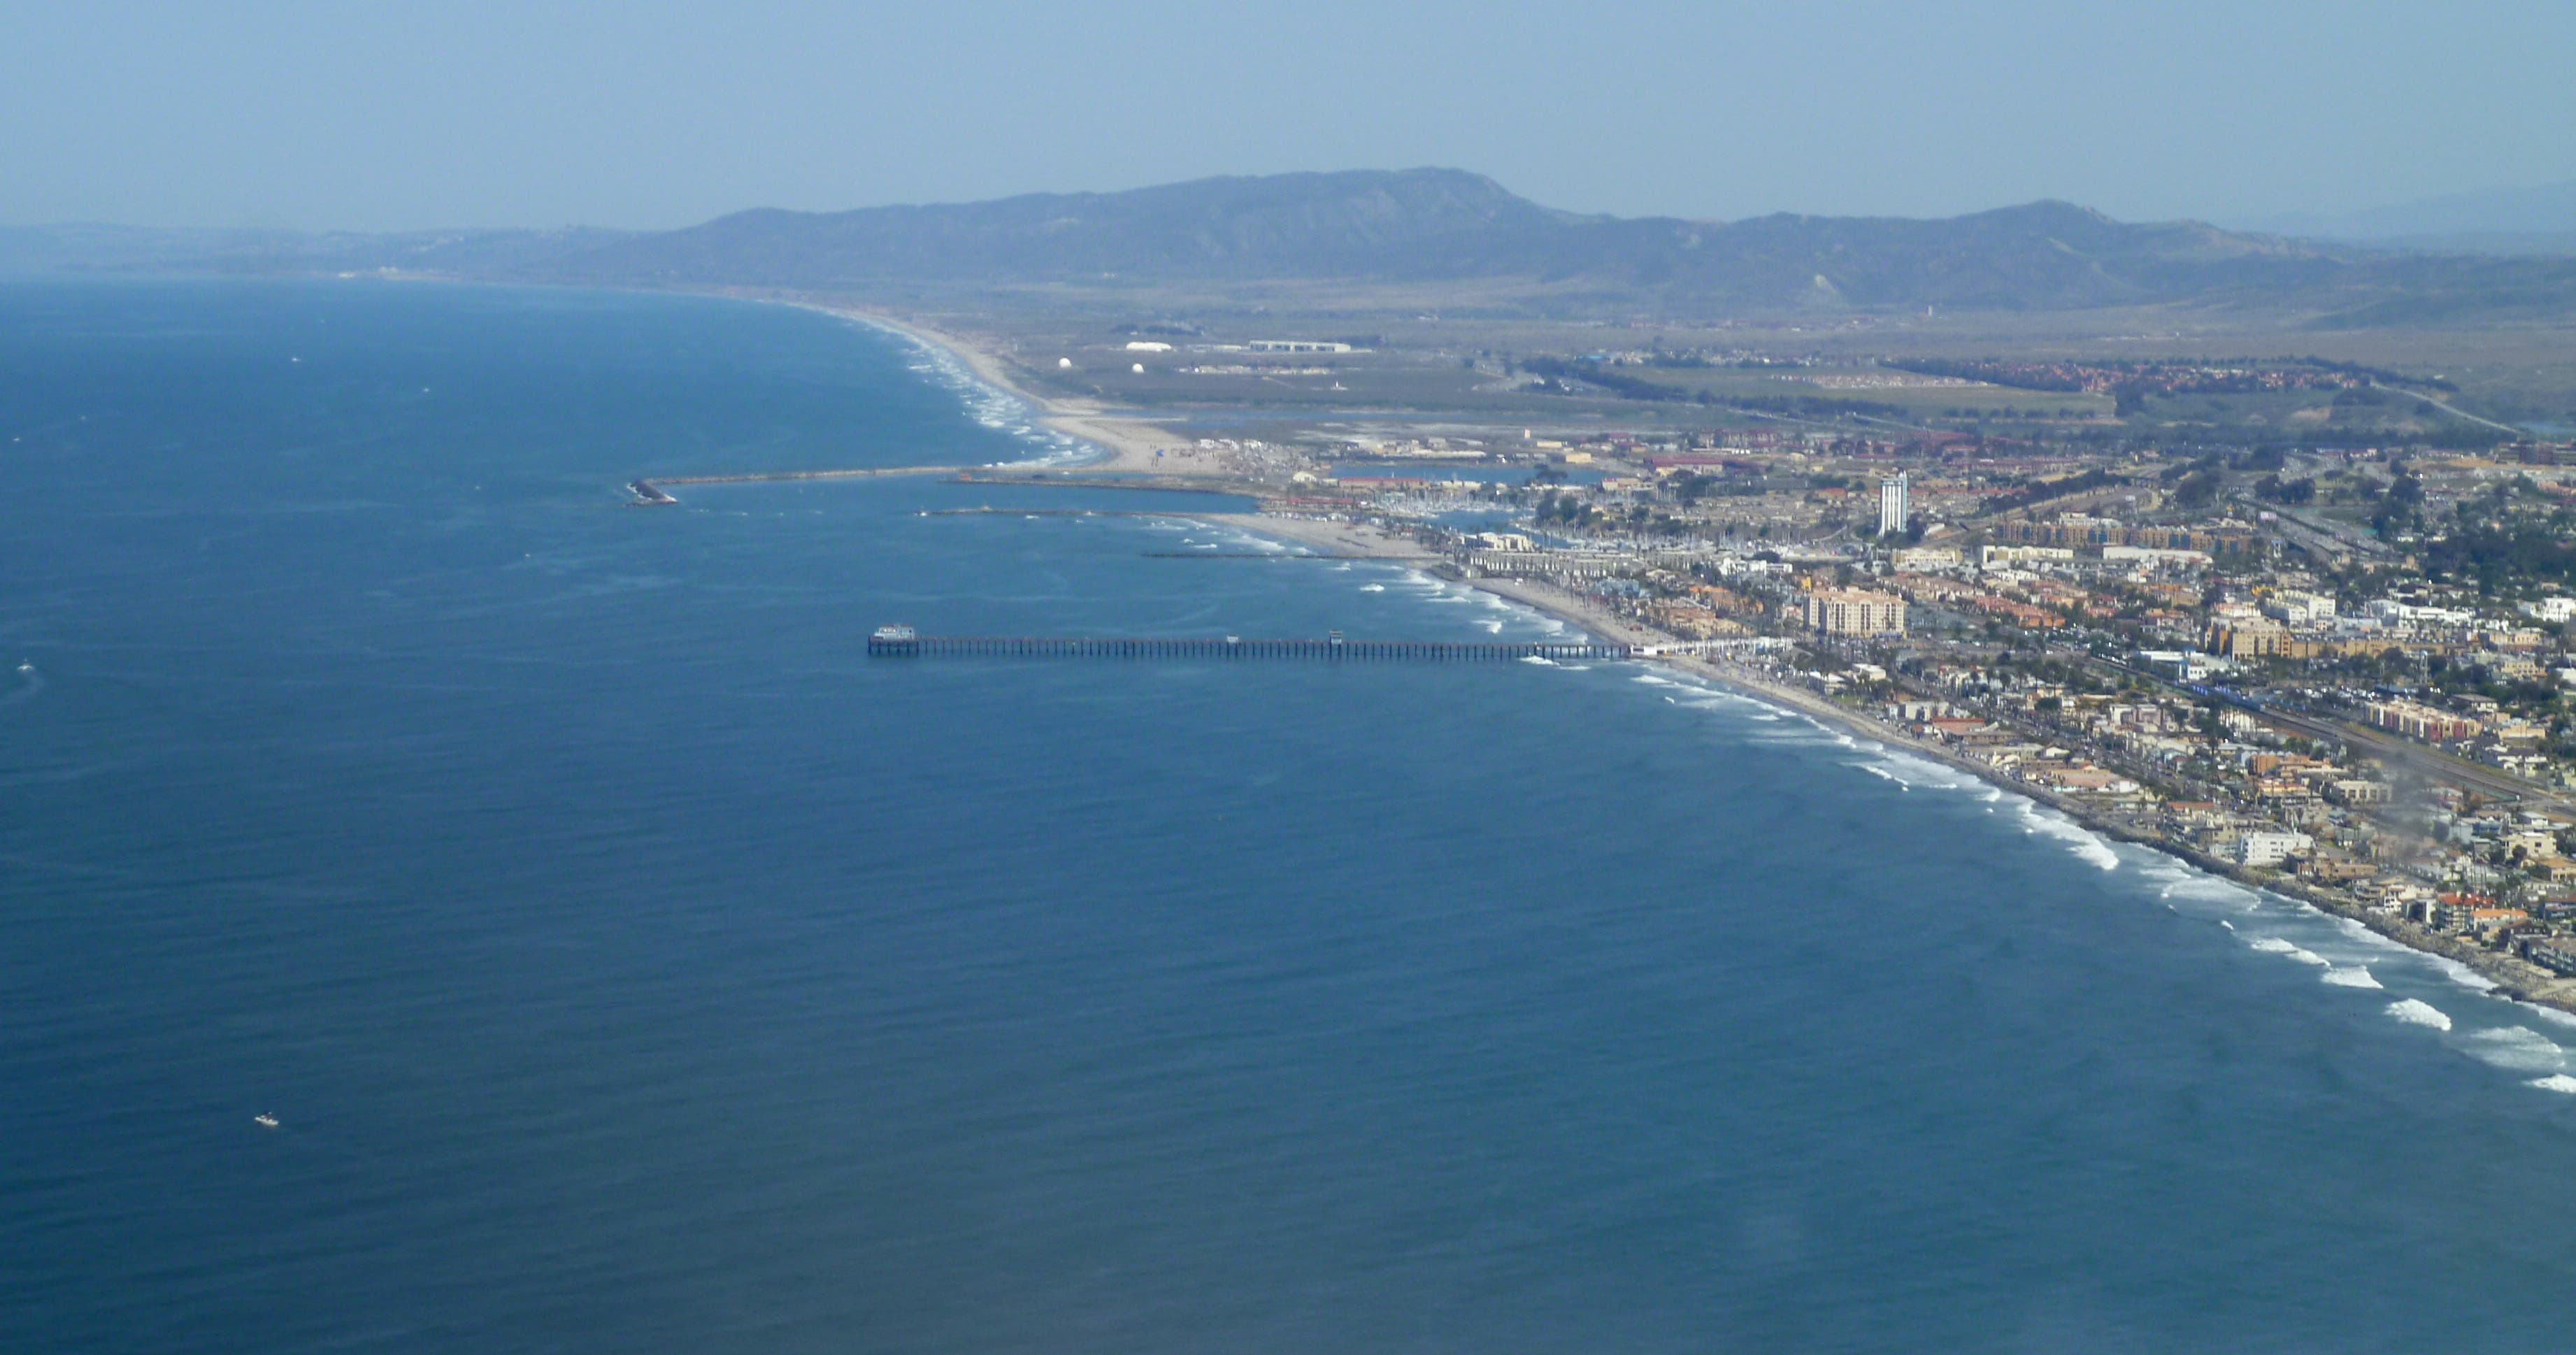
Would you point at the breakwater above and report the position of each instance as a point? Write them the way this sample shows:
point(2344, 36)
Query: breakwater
point(654, 492)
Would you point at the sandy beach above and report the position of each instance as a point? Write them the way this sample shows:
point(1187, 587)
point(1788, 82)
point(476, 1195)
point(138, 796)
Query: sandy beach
point(1129, 446)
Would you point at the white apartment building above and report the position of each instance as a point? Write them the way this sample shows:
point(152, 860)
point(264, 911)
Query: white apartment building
point(2299, 609)
point(1926, 559)
point(2005, 557)
point(2392, 611)
point(2266, 847)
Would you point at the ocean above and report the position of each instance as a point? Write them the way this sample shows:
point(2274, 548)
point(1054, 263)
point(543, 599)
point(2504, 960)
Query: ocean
point(633, 965)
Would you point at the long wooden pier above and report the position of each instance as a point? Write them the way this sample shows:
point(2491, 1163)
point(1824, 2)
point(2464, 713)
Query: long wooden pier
point(900, 642)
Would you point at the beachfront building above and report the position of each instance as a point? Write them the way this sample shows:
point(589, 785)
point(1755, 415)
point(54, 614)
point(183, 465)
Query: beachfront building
point(2557, 954)
point(2258, 847)
point(1850, 612)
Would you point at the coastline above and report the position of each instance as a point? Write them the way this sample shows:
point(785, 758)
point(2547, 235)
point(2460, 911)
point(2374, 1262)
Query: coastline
point(1128, 446)
point(557, 882)
point(2506, 974)
point(1131, 448)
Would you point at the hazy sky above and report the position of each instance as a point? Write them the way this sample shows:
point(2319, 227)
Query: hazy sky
point(371, 116)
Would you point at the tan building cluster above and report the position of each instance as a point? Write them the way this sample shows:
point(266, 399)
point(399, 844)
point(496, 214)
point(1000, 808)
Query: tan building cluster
point(1840, 611)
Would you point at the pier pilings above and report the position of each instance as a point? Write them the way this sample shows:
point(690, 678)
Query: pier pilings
point(1235, 647)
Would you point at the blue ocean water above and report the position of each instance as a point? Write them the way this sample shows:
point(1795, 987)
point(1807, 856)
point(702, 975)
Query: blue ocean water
point(633, 965)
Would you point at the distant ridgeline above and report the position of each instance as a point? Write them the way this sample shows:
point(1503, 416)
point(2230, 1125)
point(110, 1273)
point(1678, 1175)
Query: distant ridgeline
point(1429, 227)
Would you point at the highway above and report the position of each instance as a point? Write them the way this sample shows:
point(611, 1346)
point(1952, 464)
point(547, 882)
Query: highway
point(2453, 410)
point(2423, 759)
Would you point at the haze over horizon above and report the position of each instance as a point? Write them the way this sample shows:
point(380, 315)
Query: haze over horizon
point(324, 117)
point(1150, 679)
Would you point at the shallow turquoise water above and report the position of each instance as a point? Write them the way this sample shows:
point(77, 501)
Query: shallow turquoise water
point(634, 965)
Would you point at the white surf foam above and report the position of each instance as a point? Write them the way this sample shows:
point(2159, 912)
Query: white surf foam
point(2461, 974)
point(988, 404)
point(2354, 976)
point(2552, 1015)
point(2363, 936)
point(2273, 945)
point(2049, 823)
point(1924, 771)
point(2518, 1049)
point(2416, 1013)
point(2555, 1082)
point(2208, 888)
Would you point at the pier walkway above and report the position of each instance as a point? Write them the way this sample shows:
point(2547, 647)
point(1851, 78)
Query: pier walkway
point(900, 641)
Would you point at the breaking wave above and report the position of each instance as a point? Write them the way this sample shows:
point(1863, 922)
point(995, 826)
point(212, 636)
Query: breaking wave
point(986, 403)
point(2050, 823)
point(2416, 1013)
point(2273, 945)
point(2518, 1049)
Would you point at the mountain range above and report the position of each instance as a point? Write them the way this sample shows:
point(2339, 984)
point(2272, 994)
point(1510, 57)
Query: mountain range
point(1429, 229)
point(2537, 219)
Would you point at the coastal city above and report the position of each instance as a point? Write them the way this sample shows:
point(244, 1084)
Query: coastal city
point(2335, 672)
point(987, 679)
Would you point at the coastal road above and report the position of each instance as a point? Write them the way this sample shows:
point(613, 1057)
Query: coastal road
point(2422, 759)
point(2336, 537)
point(2453, 410)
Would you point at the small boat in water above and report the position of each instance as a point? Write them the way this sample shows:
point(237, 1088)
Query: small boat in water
point(264, 1121)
